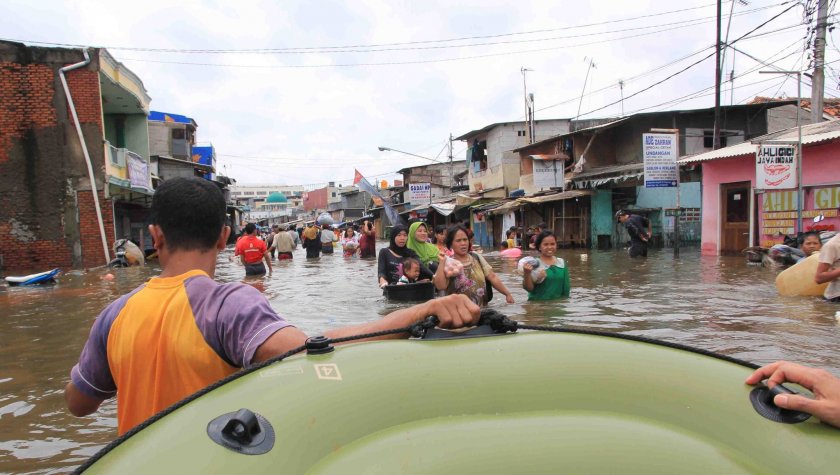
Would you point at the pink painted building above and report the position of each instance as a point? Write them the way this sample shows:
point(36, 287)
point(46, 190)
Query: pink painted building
point(737, 214)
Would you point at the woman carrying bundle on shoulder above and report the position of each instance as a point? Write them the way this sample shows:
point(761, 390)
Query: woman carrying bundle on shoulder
point(546, 278)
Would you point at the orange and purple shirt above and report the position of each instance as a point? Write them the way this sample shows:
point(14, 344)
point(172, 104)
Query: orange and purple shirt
point(169, 338)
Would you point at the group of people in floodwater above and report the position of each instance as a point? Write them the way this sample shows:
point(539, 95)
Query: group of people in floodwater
point(444, 256)
point(449, 261)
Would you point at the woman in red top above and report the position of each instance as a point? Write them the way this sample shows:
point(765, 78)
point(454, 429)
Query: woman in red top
point(367, 243)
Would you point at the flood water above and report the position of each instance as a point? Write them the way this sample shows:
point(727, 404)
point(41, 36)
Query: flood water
point(719, 304)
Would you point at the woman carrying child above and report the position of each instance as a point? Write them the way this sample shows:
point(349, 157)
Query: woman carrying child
point(391, 258)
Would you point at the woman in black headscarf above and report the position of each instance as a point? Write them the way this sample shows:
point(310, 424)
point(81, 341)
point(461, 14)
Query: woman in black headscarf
point(391, 258)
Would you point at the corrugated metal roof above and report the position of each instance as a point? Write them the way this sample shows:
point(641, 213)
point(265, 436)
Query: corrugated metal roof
point(811, 134)
point(617, 169)
point(564, 195)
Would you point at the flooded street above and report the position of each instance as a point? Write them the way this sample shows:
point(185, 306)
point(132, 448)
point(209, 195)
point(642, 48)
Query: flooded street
point(719, 304)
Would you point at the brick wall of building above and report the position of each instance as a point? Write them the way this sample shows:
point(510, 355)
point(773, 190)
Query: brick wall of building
point(46, 206)
point(92, 254)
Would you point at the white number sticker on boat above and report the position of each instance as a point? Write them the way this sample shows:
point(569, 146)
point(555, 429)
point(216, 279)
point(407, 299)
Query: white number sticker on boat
point(281, 371)
point(328, 371)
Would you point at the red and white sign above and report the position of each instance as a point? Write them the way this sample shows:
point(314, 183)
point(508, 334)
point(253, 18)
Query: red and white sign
point(775, 167)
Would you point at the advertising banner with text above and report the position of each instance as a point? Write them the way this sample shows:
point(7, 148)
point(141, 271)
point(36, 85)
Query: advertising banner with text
point(660, 156)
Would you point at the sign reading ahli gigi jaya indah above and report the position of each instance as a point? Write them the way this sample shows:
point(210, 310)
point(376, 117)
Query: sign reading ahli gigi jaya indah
point(659, 152)
point(775, 167)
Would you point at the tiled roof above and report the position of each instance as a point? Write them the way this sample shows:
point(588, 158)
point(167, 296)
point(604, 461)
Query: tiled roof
point(831, 106)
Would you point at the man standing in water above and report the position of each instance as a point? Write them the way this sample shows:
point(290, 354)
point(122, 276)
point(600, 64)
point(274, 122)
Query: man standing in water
point(253, 251)
point(638, 227)
point(182, 331)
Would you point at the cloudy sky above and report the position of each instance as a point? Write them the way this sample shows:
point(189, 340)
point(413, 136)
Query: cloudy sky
point(303, 92)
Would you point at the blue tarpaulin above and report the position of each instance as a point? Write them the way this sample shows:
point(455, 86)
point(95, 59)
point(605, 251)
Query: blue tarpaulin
point(157, 116)
point(204, 155)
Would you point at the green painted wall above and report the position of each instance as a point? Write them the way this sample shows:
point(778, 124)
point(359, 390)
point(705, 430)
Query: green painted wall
point(137, 134)
point(602, 215)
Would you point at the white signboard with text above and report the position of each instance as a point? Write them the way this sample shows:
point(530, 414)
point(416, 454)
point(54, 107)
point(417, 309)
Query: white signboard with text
point(419, 193)
point(775, 167)
point(549, 174)
point(659, 152)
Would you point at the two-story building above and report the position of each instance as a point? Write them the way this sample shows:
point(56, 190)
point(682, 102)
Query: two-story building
point(74, 156)
point(493, 166)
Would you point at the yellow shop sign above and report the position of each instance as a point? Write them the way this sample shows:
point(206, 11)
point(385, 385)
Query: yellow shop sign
point(827, 198)
point(779, 201)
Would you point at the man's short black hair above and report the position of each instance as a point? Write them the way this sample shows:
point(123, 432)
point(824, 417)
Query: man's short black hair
point(250, 228)
point(190, 211)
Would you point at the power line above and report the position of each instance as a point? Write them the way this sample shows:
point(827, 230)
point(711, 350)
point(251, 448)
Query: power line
point(320, 49)
point(670, 63)
point(692, 64)
point(404, 63)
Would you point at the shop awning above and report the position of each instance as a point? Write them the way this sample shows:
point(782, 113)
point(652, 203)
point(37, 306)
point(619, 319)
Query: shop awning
point(444, 209)
point(598, 176)
point(565, 195)
point(552, 156)
point(507, 207)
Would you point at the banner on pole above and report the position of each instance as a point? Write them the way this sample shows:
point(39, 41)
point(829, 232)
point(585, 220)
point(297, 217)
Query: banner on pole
point(660, 158)
point(364, 185)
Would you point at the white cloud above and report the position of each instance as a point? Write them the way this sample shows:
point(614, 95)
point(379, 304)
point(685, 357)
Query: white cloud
point(318, 124)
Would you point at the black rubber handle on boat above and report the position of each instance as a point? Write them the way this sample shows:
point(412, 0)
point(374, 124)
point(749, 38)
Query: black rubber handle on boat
point(762, 400)
point(242, 427)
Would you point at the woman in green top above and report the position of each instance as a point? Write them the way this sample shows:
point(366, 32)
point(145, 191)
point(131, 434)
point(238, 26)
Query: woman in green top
point(418, 235)
point(556, 284)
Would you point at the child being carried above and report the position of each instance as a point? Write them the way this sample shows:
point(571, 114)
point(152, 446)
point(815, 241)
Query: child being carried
point(410, 271)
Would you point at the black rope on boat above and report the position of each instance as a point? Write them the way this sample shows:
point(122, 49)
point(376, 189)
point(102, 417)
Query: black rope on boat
point(499, 322)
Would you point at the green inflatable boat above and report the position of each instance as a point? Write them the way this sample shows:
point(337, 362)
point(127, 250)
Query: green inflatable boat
point(525, 402)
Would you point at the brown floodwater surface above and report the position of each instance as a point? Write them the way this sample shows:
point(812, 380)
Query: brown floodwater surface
point(718, 304)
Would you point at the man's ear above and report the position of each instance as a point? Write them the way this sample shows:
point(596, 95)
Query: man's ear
point(223, 238)
point(158, 239)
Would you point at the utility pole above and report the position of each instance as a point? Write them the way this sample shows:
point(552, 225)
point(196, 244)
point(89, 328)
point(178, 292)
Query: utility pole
point(533, 137)
point(621, 88)
point(523, 70)
point(451, 169)
point(716, 136)
point(818, 77)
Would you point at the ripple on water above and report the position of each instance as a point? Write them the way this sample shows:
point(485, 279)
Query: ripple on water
point(719, 304)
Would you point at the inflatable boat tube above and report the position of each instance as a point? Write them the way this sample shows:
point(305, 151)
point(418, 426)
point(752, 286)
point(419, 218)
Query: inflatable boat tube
point(32, 279)
point(798, 280)
point(416, 292)
point(537, 402)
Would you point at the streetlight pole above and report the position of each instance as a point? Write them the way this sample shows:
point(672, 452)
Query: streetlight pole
point(799, 196)
point(388, 149)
